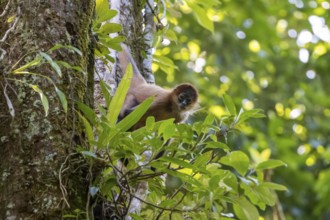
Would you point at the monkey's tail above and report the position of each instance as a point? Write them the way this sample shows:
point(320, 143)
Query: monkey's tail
point(125, 57)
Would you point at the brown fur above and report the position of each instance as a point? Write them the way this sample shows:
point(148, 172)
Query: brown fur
point(166, 102)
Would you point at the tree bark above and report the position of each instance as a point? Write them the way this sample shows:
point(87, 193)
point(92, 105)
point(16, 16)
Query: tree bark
point(41, 176)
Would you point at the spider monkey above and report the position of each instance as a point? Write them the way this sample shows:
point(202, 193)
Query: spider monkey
point(176, 103)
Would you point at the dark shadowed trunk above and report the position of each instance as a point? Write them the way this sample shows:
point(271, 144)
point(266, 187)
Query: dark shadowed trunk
point(41, 176)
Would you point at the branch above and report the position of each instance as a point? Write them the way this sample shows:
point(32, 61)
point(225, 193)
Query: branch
point(148, 40)
point(3, 52)
point(6, 9)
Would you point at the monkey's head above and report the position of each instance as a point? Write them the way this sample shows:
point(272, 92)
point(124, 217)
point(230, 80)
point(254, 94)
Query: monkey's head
point(186, 96)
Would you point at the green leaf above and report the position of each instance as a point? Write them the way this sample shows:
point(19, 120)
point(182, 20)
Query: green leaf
point(107, 134)
point(229, 181)
point(89, 154)
point(53, 64)
point(217, 145)
point(247, 114)
point(63, 99)
point(167, 65)
point(88, 128)
point(209, 119)
point(202, 160)
point(43, 98)
point(135, 116)
point(270, 164)
point(88, 112)
point(167, 129)
point(110, 28)
point(71, 48)
point(245, 210)
point(68, 66)
point(170, 34)
point(136, 217)
point(184, 177)
point(274, 186)
point(229, 104)
point(178, 162)
point(201, 15)
point(237, 160)
point(214, 182)
point(119, 97)
point(63, 63)
point(105, 92)
point(150, 123)
point(259, 194)
point(114, 43)
point(167, 203)
point(102, 11)
point(34, 62)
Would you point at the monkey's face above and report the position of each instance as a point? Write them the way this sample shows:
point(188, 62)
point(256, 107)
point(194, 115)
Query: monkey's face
point(184, 100)
point(186, 96)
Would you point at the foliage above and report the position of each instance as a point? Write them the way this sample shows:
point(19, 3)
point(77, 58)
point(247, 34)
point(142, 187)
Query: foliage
point(40, 59)
point(270, 54)
point(102, 29)
point(189, 168)
point(205, 178)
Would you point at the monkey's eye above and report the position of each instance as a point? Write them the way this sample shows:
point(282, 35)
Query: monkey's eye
point(181, 97)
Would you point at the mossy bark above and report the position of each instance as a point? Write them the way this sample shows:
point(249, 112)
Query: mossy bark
point(41, 176)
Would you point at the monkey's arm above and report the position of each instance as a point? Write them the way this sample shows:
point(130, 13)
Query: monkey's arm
point(128, 106)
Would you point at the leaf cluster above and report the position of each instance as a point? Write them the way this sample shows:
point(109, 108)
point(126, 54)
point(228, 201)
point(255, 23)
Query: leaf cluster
point(188, 170)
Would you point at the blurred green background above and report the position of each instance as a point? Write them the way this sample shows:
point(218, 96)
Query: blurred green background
point(269, 54)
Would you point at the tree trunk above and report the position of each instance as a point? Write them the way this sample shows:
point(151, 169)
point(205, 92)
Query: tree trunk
point(140, 40)
point(40, 173)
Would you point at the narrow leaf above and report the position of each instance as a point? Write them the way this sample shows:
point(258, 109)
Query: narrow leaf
point(54, 65)
point(274, 186)
point(89, 154)
point(119, 97)
point(229, 104)
point(270, 164)
point(34, 62)
point(71, 48)
point(43, 98)
point(135, 116)
point(63, 99)
point(88, 112)
point(105, 92)
point(178, 162)
point(63, 63)
point(9, 103)
point(88, 128)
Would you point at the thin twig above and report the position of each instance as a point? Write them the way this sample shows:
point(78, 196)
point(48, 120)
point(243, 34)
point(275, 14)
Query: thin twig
point(164, 6)
point(6, 9)
point(156, 206)
point(13, 26)
point(154, 13)
point(4, 52)
point(62, 187)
